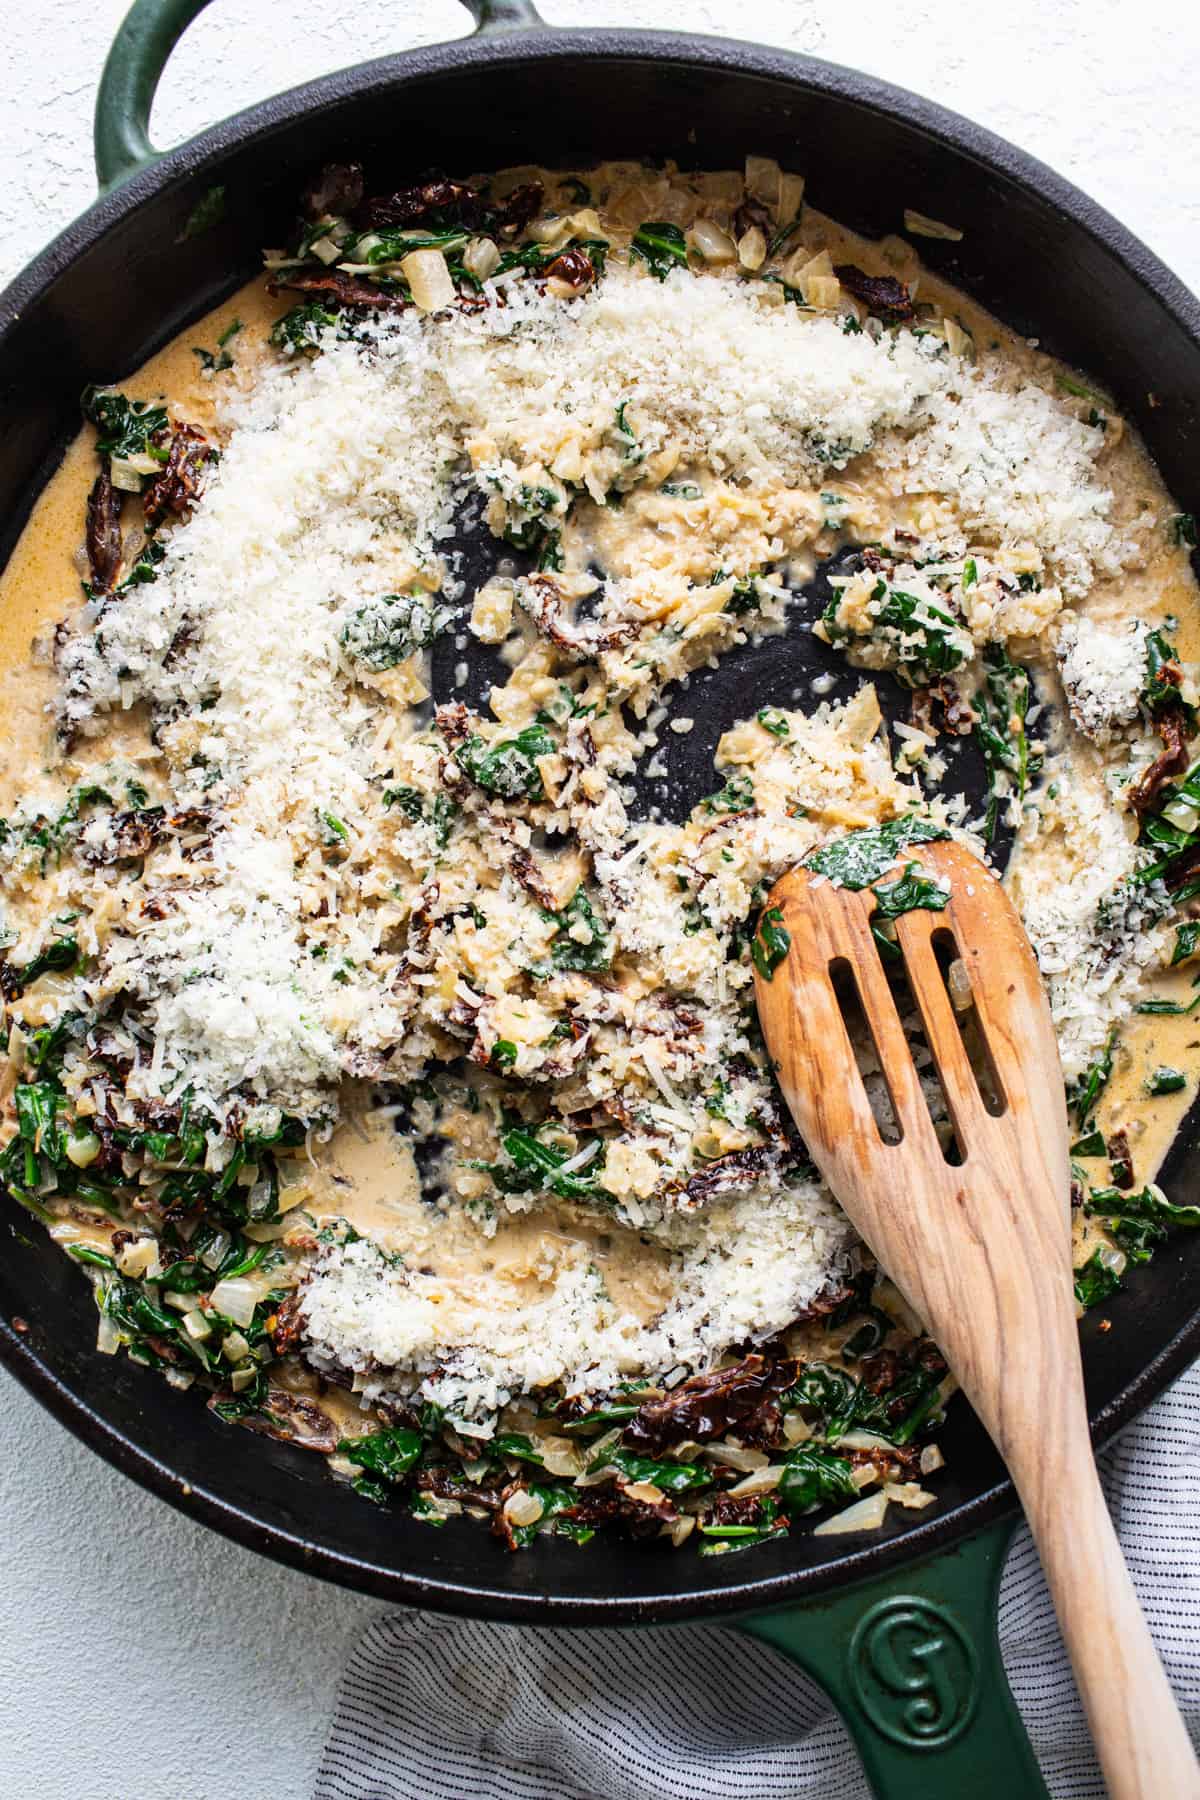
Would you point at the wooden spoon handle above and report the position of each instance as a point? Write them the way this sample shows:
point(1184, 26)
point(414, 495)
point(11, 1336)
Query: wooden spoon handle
point(1140, 1737)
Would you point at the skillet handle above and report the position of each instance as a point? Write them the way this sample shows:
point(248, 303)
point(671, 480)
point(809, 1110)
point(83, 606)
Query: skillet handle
point(911, 1660)
point(144, 41)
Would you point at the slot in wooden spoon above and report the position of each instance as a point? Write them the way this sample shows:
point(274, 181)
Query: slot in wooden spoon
point(978, 1239)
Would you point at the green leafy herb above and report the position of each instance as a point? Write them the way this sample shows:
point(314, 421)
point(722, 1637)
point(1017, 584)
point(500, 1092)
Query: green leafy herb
point(772, 941)
point(533, 522)
point(516, 1444)
point(440, 811)
point(301, 328)
point(671, 1477)
point(1158, 689)
point(394, 246)
point(1187, 941)
point(557, 1499)
point(1166, 1081)
point(37, 1105)
point(632, 452)
point(508, 768)
point(861, 857)
point(772, 720)
point(661, 246)
point(912, 891)
point(221, 360)
point(388, 1454)
point(1002, 706)
point(59, 955)
point(125, 427)
point(1150, 1203)
point(1092, 1145)
point(384, 632)
point(747, 596)
point(535, 1167)
point(725, 1539)
point(1183, 530)
point(1096, 1280)
point(736, 796)
point(811, 1476)
point(843, 1404)
point(928, 642)
point(571, 951)
point(1083, 1093)
point(1171, 840)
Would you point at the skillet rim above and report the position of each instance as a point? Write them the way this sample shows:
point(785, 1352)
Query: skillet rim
point(963, 138)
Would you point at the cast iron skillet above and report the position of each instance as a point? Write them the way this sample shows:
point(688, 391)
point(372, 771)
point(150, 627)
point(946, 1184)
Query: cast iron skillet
point(898, 1626)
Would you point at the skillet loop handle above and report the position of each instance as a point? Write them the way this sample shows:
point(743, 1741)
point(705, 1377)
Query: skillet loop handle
point(146, 37)
point(148, 34)
point(911, 1660)
point(493, 16)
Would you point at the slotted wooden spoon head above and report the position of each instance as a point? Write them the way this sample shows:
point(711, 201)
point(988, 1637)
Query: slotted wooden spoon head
point(976, 1236)
point(953, 1225)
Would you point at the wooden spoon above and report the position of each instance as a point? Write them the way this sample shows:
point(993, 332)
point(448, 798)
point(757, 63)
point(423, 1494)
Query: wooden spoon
point(980, 1247)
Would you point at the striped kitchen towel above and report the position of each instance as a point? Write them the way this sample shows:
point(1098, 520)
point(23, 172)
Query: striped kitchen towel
point(443, 1709)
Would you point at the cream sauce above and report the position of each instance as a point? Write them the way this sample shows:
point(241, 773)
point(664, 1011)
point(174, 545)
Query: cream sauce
point(366, 1174)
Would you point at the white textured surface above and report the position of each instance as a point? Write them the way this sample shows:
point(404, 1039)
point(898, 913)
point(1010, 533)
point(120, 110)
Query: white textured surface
point(139, 1654)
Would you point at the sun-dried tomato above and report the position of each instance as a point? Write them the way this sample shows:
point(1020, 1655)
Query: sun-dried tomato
point(574, 267)
point(883, 295)
point(710, 1405)
point(1172, 760)
point(104, 531)
point(178, 487)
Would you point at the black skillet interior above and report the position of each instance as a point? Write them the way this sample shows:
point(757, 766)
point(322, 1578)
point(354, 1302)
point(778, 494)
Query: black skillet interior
point(128, 276)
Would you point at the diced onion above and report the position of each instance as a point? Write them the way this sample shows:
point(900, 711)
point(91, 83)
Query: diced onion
point(733, 1458)
point(824, 293)
point(959, 984)
point(1180, 813)
point(236, 1299)
point(645, 1491)
point(710, 242)
point(931, 1459)
point(920, 225)
point(523, 1508)
point(214, 1255)
point(791, 197)
point(481, 258)
point(429, 280)
point(127, 472)
point(863, 1440)
point(562, 1456)
point(137, 1257)
point(762, 179)
point(910, 1494)
point(234, 1347)
point(196, 1325)
point(958, 341)
point(752, 248)
point(864, 1515)
point(762, 1481)
point(83, 1150)
point(108, 1337)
